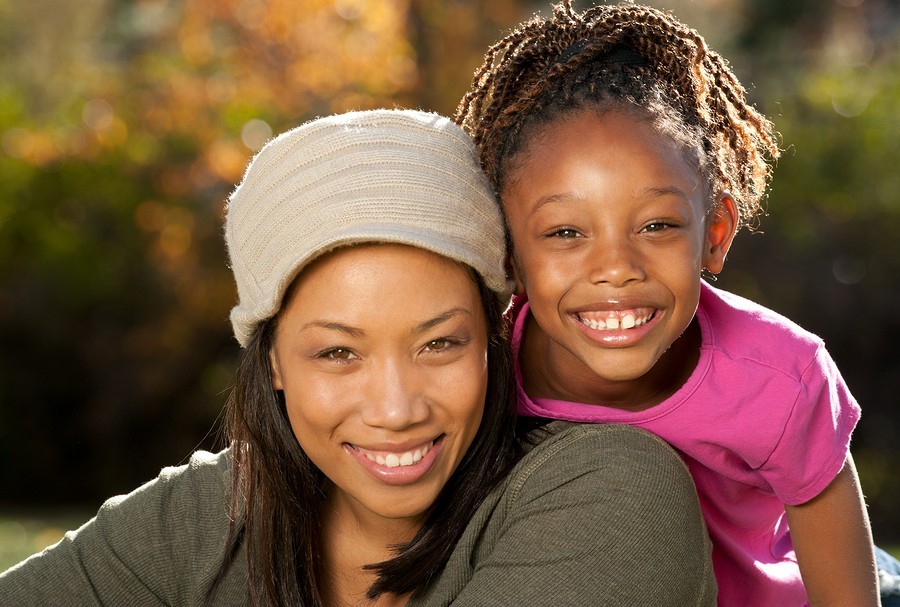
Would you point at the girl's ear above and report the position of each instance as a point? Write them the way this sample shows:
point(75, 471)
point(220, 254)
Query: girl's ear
point(720, 230)
point(514, 272)
point(276, 371)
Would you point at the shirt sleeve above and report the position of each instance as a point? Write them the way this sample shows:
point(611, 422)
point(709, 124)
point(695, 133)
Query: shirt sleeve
point(816, 438)
point(595, 516)
point(158, 545)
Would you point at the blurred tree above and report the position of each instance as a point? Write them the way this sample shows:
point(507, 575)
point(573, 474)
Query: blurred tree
point(123, 127)
point(827, 256)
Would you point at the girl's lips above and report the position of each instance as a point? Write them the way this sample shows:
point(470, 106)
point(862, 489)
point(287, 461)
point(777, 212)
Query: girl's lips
point(617, 328)
point(626, 318)
point(398, 467)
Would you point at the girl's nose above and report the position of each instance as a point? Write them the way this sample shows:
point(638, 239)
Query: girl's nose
point(395, 399)
point(615, 262)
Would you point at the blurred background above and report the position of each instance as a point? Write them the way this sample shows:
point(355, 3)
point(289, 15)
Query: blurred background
point(125, 124)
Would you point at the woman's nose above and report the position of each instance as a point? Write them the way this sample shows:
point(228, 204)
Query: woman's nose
point(395, 398)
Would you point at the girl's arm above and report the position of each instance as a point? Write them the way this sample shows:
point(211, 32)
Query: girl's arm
point(833, 542)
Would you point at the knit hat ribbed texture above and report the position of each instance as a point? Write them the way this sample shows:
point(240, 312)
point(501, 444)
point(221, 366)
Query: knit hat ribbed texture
point(392, 176)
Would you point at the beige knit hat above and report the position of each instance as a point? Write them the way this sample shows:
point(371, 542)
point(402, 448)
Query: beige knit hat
point(399, 176)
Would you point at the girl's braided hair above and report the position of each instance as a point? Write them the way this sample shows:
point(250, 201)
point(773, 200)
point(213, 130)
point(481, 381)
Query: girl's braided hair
point(624, 56)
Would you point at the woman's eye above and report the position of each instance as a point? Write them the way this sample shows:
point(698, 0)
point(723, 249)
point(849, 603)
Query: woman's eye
point(437, 344)
point(441, 344)
point(339, 354)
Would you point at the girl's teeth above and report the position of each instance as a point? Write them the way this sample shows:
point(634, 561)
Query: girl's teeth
point(628, 321)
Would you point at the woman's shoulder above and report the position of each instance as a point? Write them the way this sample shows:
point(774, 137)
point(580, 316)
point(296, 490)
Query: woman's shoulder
point(604, 514)
point(203, 469)
point(183, 510)
point(204, 482)
point(613, 453)
point(547, 432)
point(159, 544)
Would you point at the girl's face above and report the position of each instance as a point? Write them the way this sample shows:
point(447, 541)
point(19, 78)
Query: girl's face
point(610, 230)
point(381, 352)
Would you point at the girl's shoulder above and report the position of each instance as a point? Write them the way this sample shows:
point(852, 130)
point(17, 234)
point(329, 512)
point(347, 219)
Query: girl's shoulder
point(744, 329)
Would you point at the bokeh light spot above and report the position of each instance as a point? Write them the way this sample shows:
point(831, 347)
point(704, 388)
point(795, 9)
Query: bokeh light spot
point(256, 133)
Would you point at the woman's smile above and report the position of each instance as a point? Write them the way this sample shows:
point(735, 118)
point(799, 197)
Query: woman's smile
point(395, 467)
point(381, 354)
point(395, 457)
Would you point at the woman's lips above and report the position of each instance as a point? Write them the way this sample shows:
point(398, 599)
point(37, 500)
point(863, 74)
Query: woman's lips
point(392, 459)
point(398, 467)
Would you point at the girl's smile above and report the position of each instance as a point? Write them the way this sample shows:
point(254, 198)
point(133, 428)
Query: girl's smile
point(613, 320)
point(611, 227)
point(618, 327)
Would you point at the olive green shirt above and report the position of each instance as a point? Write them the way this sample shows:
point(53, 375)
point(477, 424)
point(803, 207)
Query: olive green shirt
point(594, 515)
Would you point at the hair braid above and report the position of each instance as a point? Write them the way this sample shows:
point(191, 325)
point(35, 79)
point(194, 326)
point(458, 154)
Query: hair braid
point(570, 61)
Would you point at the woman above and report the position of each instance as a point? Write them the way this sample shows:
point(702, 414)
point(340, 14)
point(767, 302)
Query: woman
point(371, 459)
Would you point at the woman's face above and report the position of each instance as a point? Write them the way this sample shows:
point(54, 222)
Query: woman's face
point(381, 352)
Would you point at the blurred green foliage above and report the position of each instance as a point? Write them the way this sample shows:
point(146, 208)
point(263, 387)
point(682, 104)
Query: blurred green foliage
point(124, 125)
point(828, 255)
point(23, 534)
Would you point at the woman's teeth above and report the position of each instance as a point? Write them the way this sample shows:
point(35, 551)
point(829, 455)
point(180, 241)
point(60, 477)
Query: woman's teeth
point(392, 460)
point(611, 321)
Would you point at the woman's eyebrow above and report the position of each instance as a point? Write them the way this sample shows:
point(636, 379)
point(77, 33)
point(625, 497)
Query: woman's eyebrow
point(355, 332)
point(334, 326)
point(443, 317)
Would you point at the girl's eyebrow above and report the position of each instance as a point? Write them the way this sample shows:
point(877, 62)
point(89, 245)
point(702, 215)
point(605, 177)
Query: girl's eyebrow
point(658, 192)
point(563, 197)
point(570, 198)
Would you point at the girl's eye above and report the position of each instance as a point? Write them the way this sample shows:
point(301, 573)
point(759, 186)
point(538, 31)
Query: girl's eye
point(657, 226)
point(564, 233)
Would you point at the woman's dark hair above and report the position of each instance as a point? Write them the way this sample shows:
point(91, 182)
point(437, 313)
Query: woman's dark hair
point(277, 491)
point(613, 58)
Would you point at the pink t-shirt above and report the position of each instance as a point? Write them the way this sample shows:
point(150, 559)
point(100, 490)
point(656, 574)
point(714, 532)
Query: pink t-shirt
point(764, 420)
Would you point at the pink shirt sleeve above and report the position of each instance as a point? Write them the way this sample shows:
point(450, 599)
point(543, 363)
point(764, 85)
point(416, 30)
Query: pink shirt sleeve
point(816, 438)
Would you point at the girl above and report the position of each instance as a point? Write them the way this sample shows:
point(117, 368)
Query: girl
point(369, 426)
point(626, 157)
